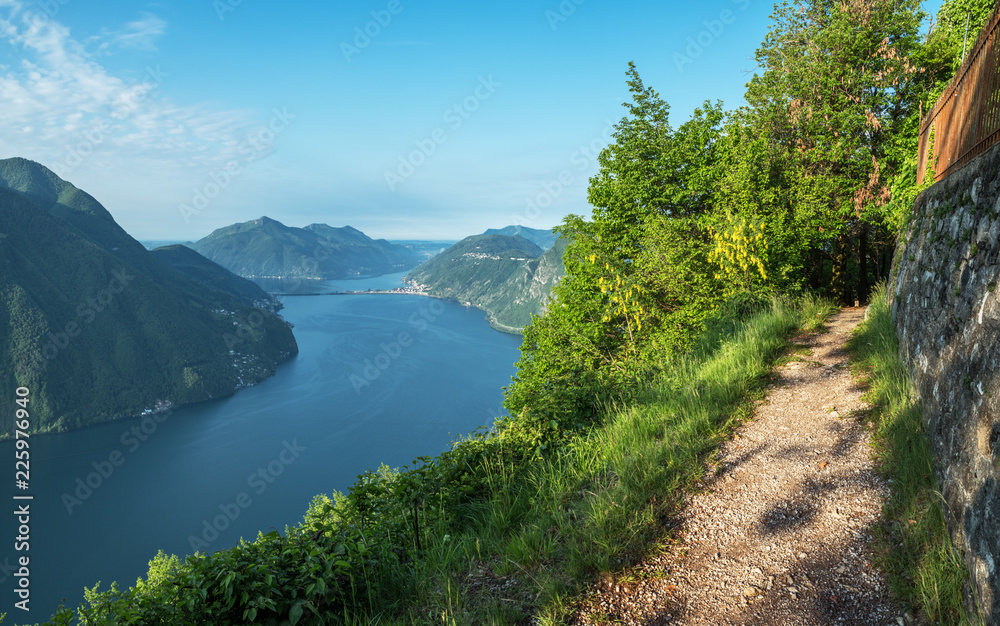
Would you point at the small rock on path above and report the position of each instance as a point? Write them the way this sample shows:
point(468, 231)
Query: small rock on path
point(780, 533)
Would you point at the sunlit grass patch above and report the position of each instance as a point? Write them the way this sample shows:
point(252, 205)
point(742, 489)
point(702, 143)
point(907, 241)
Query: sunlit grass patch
point(916, 552)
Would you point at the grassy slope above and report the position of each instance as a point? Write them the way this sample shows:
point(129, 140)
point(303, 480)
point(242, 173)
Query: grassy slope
point(536, 530)
point(604, 502)
point(916, 551)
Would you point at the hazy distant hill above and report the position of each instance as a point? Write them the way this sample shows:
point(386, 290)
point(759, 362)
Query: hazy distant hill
point(544, 239)
point(266, 247)
point(98, 327)
point(161, 243)
point(425, 249)
point(507, 276)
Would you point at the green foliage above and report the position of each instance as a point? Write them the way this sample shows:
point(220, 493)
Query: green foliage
point(741, 252)
point(652, 170)
point(835, 96)
point(649, 349)
point(638, 281)
point(942, 54)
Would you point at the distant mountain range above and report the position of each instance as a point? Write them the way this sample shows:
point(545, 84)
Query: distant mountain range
point(425, 249)
point(507, 276)
point(544, 239)
point(97, 327)
point(267, 248)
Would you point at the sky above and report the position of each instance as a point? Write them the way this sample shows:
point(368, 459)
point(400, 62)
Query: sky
point(407, 119)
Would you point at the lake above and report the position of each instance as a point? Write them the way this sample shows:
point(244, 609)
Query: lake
point(378, 379)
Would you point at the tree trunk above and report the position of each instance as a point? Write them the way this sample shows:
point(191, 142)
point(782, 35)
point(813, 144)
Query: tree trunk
point(838, 282)
point(816, 269)
point(863, 288)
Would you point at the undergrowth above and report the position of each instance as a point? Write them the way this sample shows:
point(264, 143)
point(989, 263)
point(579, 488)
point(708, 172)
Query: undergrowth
point(916, 551)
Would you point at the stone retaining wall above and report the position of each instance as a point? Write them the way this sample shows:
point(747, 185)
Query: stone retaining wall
point(946, 310)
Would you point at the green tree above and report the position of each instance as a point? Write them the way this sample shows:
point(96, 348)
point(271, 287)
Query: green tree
point(638, 283)
point(651, 170)
point(955, 30)
point(835, 83)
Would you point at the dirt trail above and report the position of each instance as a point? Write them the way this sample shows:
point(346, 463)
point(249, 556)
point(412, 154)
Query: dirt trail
point(780, 532)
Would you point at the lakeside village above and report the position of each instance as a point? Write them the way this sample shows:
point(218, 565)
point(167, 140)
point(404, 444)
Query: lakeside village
point(408, 289)
point(159, 407)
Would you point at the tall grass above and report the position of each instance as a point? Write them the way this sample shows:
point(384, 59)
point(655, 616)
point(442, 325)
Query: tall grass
point(916, 551)
point(605, 501)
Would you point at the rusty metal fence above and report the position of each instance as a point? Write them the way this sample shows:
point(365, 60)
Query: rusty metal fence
point(965, 121)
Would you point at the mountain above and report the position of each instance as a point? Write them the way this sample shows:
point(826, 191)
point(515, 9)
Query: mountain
point(544, 239)
point(425, 250)
point(97, 327)
point(161, 243)
point(266, 247)
point(211, 274)
point(507, 276)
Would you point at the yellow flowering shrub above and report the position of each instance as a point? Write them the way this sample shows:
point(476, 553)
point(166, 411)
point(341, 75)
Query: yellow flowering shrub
point(740, 254)
point(626, 297)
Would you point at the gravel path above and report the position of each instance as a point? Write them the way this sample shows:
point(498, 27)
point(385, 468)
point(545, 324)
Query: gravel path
point(780, 531)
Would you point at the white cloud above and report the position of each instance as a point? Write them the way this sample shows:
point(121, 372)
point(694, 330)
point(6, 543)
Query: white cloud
point(59, 105)
point(138, 35)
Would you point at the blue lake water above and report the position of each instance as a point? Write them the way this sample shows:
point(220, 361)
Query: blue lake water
point(378, 379)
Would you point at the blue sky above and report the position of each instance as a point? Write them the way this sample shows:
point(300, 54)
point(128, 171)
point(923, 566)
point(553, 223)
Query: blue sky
point(406, 119)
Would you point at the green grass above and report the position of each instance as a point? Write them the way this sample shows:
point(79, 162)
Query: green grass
point(916, 552)
point(490, 532)
point(606, 501)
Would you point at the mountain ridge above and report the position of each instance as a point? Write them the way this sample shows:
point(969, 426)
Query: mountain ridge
point(544, 239)
point(507, 276)
point(99, 328)
point(265, 247)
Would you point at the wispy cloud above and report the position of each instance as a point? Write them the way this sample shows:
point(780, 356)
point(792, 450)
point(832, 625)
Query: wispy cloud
point(138, 35)
point(59, 104)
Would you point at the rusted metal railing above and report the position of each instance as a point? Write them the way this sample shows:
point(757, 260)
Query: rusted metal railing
point(965, 121)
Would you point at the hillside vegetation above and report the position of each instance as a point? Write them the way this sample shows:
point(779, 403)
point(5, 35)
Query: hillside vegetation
point(495, 529)
point(706, 246)
point(507, 276)
point(266, 247)
point(213, 275)
point(99, 328)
